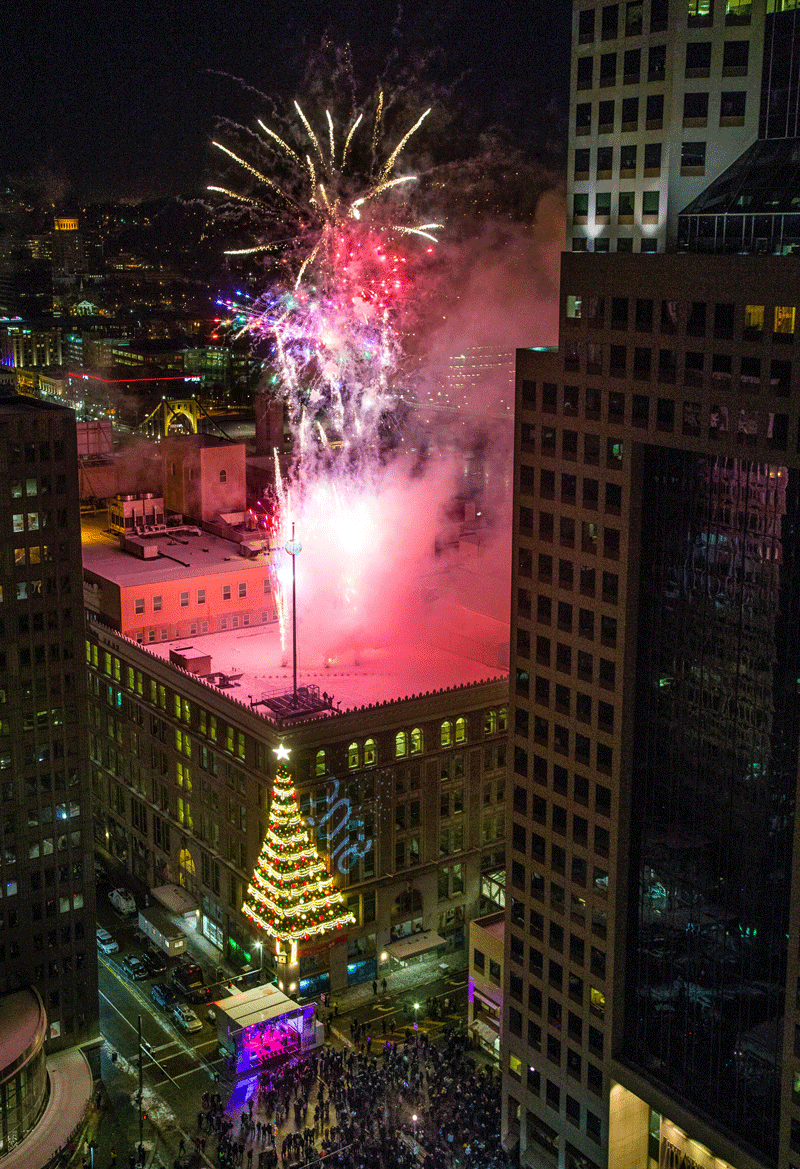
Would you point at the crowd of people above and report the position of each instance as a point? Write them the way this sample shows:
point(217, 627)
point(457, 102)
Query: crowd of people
point(393, 1105)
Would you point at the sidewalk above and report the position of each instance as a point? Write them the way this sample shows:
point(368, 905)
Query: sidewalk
point(350, 998)
point(403, 979)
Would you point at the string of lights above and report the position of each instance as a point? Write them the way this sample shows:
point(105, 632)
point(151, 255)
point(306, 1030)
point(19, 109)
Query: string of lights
point(291, 896)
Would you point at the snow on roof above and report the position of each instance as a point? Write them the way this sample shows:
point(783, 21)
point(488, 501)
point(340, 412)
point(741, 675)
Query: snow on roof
point(261, 668)
point(182, 556)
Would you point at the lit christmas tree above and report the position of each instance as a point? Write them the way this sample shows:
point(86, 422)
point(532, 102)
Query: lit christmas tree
point(291, 896)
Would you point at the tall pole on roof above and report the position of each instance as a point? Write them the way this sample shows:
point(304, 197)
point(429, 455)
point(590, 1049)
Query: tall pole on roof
point(294, 548)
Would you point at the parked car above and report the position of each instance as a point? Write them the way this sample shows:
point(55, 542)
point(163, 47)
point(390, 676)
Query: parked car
point(200, 995)
point(186, 1018)
point(133, 967)
point(105, 942)
point(155, 961)
point(164, 996)
point(122, 901)
point(187, 977)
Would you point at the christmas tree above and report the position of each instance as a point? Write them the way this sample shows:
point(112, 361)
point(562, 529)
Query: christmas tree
point(291, 896)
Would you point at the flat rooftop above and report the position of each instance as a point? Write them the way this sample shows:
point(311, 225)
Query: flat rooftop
point(254, 667)
point(181, 555)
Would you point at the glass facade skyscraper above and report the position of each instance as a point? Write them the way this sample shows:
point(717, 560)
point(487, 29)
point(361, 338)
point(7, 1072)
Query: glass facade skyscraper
point(652, 965)
point(713, 782)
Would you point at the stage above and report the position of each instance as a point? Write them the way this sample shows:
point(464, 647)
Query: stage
point(263, 1026)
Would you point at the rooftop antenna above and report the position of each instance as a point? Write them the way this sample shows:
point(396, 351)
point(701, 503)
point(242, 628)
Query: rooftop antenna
point(294, 548)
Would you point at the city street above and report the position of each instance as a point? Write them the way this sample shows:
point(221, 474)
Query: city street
point(178, 1068)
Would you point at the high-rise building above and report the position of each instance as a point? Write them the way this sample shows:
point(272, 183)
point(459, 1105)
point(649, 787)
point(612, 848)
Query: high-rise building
point(47, 919)
point(665, 100)
point(651, 1006)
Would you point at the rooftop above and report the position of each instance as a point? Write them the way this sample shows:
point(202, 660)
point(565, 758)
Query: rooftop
point(180, 555)
point(250, 666)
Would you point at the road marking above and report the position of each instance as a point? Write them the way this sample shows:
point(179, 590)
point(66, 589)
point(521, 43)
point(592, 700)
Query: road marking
point(124, 1018)
point(177, 1039)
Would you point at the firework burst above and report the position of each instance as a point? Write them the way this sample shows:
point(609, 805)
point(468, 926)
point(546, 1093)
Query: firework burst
point(333, 234)
point(323, 201)
point(332, 313)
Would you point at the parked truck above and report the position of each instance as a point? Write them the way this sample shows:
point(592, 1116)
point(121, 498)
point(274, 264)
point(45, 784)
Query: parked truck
point(161, 930)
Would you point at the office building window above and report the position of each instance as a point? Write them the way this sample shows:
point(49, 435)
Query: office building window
point(633, 18)
point(732, 108)
point(605, 117)
point(608, 69)
point(585, 72)
point(610, 22)
point(650, 206)
point(656, 66)
point(735, 58)
point(693, 158)
point(627, 161)
point(698, 58)
point(695, 109)
point(632, 64)
point(700, 13)
point(652, 160)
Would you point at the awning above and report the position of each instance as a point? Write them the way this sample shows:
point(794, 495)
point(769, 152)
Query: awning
point(415, 944)
point(486, 1033)
point(175, 898)
point(484, 996)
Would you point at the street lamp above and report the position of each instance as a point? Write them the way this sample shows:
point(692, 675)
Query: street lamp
point(416, 1008)
point(141, 1116)
point(260, 947)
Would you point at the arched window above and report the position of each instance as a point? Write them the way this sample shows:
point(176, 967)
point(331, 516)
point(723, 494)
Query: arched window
point(400, 745)
point(447, 733)
point(416, 741)
point(319, 766)
point(490, 722)
point(353, 756)
point(223, 476)
point(502, 719)
point(461, 730)
point(370, 753)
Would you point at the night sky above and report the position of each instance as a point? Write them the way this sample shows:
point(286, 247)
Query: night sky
point(119, 99)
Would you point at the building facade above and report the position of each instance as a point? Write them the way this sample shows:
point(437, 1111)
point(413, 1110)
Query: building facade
point(652, 942)
point(405, 798)
point(664, 99)
point(47, 922)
